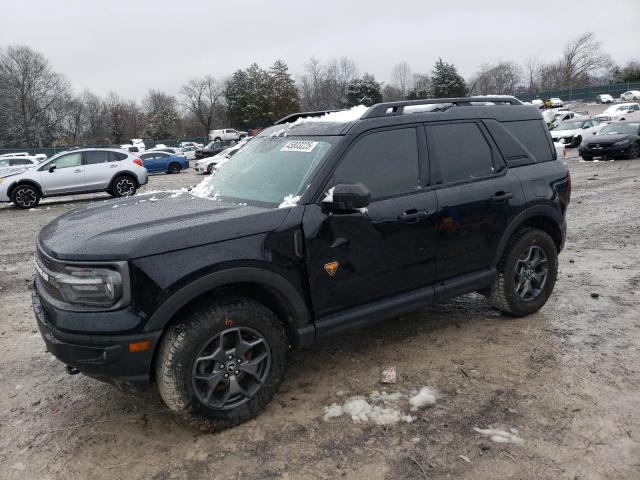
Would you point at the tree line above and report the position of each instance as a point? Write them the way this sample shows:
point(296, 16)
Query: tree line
point(39, 108)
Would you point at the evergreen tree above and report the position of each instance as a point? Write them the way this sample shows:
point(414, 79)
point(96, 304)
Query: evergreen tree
point(284, 94)
point(161, 112)
point(363, 91)
point(236, 93)
point(446, 81)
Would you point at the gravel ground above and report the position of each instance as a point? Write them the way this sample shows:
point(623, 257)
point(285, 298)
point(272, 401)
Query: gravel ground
point(566, 380)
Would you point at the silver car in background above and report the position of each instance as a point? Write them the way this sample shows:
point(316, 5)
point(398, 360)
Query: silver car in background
point(86, 170)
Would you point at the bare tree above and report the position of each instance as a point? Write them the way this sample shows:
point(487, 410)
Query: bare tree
point(582, 58)
point(325, 86)
point(204, 99)
point(30, 91)
point(498, 79)
point(401, 78)
point(532, 68)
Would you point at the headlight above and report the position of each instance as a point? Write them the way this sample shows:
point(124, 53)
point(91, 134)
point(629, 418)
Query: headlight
point(622, 143)
point(89, 286)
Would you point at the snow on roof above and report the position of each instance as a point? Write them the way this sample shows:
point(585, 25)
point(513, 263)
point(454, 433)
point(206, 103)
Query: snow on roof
point(343, 116)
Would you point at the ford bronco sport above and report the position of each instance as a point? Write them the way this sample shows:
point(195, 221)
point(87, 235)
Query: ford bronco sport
point(323, 222)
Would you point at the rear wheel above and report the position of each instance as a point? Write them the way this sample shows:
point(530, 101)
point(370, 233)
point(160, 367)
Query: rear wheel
point(175, 168)
point(124, 186)
point(526, 273)
point(25, 196)
point(210, 168)
point(222, 363)
point(217, 139)
point(576, 142)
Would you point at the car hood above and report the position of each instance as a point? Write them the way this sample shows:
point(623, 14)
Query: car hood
point(608, 138)
point(144, 225)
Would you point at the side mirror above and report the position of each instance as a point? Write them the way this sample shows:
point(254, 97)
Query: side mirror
point(52, 168)
point(349, 196)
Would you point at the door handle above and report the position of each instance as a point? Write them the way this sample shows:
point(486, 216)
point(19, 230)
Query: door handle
point(78, 171)
point(113, 166)
point(412, 214)
point(500, 197)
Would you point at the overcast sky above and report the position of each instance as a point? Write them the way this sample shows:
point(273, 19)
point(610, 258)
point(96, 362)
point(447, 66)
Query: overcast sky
point(130, 46)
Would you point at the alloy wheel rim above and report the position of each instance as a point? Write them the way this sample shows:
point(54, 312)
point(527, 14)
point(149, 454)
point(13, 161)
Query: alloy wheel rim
point(125, 187)
point(25, 197)
point(231, 368)
point(532, 271)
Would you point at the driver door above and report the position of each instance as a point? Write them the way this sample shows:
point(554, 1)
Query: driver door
point(66, 177)
point(357, 257)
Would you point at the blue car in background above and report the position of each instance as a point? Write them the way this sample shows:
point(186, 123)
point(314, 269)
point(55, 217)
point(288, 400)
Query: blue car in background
point(157, 161)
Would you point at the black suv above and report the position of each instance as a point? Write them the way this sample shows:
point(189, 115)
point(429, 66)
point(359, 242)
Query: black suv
point(213, 148)
point(323, 222)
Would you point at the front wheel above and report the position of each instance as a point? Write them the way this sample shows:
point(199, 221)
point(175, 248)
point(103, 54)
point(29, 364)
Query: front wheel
point(124, 186)
point(210, 168)
point(25, 196)
point(587, 158)
point(221, 364)
point(576, 142)
point(634, 151)
point(526, 273)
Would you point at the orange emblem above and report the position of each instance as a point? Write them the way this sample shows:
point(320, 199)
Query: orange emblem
point(331, 268)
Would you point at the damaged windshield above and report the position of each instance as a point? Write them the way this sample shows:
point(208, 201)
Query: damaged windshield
point(267, 170)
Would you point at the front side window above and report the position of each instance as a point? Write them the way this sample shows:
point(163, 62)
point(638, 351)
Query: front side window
point(66, 161)
point(462, 151)
point(386, 162)
point(268, 169)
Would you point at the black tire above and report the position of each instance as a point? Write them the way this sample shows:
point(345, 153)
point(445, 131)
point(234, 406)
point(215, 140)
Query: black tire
point(174, 168)
point(634, 151)
point(506, 293)
point(210, 168)
point(587, 158)
point(124, 186)
point(180, 356)
point(25, 196)
point(575, 143)
point(217, 139)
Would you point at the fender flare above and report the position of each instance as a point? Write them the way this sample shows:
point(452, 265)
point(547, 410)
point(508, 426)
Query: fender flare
point(274, 283)
point(123, 172)
point(22, 182)
point(531, 212)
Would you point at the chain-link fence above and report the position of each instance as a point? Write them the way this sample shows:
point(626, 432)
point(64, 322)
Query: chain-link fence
point(582, 93)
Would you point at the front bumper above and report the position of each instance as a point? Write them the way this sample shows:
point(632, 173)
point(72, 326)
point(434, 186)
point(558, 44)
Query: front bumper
point(4, 190)
point(605, 150)
point(565, 140)
point(105, 357)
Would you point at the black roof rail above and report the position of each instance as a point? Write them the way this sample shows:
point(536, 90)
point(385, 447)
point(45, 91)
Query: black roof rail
point(397, 108)
point(295, 116)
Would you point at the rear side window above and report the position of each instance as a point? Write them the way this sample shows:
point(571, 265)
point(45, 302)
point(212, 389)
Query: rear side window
point(116, 156)
point(97, 156)
point(386, 162)
point(532, 135)
point(20, 162)
point(462, 151)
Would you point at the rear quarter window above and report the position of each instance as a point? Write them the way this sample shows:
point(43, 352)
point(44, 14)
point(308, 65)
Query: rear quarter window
point(117, 156)
point(533, 136)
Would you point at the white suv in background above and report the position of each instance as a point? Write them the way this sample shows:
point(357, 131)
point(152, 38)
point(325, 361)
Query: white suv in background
point(17, 162)
point(84, 170)
point(226, 134)
point(630, 95)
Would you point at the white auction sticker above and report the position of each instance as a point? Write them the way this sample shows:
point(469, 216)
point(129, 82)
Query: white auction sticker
point(299, 146)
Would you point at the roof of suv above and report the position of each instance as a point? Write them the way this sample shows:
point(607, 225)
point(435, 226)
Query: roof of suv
point(332, 122)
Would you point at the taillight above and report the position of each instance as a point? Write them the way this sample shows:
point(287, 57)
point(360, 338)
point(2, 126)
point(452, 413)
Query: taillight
point(137, 161)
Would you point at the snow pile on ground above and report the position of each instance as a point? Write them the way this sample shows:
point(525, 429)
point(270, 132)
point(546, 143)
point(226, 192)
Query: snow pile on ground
point(177, 193)
point(343, 116)
point(382, 408)
point(425, 397)
point(289, 201)
point(500, 436)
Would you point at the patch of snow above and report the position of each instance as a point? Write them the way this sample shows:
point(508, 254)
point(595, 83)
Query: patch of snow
point(343, 116)
point(280, 133)
point(329, 196)
point(153, 199)
point(499, 436)
point(115, 206)
point(177, 193)
point(361, 410)
point(425, 397)
point(289, 201)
